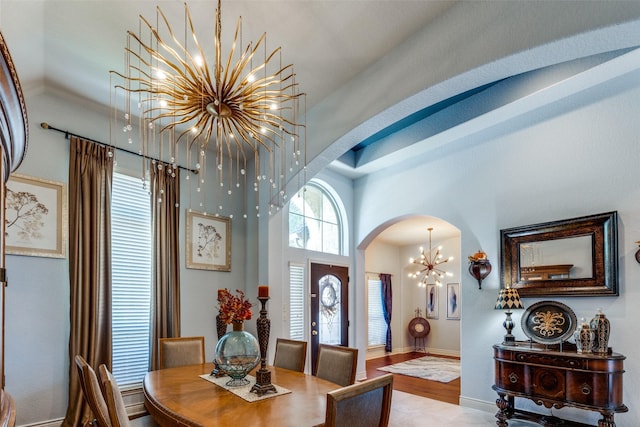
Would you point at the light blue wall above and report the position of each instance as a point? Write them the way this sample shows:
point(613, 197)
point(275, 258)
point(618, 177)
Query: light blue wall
point(37, 298)
point(581, 156)
point(576, 157)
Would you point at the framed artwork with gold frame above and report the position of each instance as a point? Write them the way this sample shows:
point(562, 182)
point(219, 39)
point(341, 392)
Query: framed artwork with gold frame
point(208, 241)
point(35, 217)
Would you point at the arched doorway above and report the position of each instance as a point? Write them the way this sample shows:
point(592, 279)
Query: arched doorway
point(389, 251)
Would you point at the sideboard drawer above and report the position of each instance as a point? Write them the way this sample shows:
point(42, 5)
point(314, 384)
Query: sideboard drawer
point(511, 376)
point(595, 389)
point(551, 360)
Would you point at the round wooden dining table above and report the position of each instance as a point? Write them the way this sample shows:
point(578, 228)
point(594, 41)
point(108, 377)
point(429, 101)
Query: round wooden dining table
point(179, 397)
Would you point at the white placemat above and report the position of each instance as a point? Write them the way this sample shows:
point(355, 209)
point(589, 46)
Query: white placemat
point(245, 390)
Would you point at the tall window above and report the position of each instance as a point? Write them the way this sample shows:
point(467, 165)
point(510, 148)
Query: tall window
point(377, 327)
point(314, 221)
point(296, 302)
point(131, 278)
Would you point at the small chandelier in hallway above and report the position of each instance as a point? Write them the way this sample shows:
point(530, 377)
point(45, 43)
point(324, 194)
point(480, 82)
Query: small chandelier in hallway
point(429, 262)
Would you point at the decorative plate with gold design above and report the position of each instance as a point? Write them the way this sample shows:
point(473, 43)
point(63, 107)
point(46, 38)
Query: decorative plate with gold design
point(549, 322)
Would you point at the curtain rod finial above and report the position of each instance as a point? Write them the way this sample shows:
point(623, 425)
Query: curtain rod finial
point(44, 125)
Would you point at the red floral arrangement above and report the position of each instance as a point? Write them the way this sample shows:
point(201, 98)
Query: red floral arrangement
point(233, 308)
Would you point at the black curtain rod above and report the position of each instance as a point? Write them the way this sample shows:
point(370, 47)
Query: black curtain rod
point(67, 135)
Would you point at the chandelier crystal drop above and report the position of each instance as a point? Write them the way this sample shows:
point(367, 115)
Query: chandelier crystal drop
point(190, 102)
point(428, 263)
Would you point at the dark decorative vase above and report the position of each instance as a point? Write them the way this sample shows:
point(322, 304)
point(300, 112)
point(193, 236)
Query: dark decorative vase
point(584, 337)
point(221, 329)
point(237, 353)
point(601, 328)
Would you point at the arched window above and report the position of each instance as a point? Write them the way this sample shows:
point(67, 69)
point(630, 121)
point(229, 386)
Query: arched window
point(314, 220)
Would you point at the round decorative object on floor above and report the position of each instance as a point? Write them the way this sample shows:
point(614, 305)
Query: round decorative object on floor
point(237, 353)
point(419, 327)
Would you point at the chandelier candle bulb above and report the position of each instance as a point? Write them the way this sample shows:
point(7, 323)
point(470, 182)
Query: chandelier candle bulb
point(263, 291)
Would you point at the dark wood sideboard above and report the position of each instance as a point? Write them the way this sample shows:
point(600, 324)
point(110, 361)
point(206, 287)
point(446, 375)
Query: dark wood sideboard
point(556, 377)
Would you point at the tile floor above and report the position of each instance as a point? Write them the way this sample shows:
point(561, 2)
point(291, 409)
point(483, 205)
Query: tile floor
point(408, 410)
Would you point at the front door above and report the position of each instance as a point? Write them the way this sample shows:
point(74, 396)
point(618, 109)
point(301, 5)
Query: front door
point(329, 307)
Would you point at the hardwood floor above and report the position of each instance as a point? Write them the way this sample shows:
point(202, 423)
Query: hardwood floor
point(444, 392)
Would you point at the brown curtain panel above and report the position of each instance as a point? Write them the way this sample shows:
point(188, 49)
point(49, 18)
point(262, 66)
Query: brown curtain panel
point(90, 176)
point(165, 213)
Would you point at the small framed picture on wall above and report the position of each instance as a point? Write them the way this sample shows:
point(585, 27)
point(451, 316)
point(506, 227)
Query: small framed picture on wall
point(432, 301)
point(36, 217)
point(453, 301)
point(208, 242)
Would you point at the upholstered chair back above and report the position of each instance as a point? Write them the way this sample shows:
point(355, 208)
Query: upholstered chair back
point(92, 392)
point(366, 403)
point(290, 354)
point(181, 351)
point(337, 364)
point(113, 397)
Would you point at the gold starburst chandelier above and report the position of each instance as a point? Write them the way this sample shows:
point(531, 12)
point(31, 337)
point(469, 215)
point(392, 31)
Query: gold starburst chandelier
point(429, 262)
point(244, 110)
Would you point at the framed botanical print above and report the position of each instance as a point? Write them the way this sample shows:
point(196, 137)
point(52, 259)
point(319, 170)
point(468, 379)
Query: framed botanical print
point(453, 301)
point(432, 301)
point(208, 241)
point(36, 217)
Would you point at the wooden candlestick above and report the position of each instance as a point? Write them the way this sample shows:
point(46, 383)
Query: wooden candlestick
point(263, 375)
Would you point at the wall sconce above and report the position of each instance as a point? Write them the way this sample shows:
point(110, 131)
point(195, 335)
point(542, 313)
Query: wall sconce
point(479, 266)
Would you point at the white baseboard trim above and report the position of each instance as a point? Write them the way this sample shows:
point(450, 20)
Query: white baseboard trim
point(133, 411)
point(480, 405)
point(433, 350)
point(50, 423)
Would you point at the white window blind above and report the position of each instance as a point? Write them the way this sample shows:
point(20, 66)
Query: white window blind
point(131, 278)
point(377, 326)
point(296, 302)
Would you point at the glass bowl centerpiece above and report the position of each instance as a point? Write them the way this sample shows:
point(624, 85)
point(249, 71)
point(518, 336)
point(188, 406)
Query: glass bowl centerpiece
point(237, 352)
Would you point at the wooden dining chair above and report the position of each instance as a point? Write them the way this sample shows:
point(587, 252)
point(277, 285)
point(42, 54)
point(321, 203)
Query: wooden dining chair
point(92, 392)
point(337, 364)
point(181, 351)
point(290, 354)
point(367, 403)
point(115, 403)
point(7, 410)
